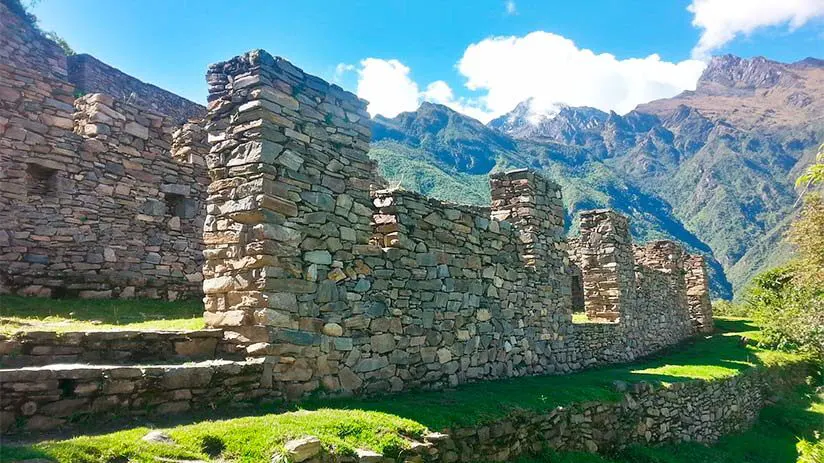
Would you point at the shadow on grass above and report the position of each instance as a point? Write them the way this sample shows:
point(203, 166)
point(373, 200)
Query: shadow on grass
point(27, 310)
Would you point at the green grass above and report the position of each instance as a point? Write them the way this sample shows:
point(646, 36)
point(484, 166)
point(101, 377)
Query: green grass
point(33, 313)
point(381, 423)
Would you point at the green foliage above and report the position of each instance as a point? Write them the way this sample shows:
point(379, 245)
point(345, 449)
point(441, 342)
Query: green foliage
point(807, 234)
point(790, 313)
point(814, 173)
point(23, 10)
point(54, 37)
point(407, 168)
point(792, 430)
point(788, 301)
point(724, 308)
point(18, 8)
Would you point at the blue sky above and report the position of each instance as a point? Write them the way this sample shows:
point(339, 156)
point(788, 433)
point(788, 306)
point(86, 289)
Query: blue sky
point(480, 57)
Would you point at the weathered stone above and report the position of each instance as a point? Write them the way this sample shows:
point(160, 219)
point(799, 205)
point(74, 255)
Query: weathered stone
point(302, 449)
point(332, 329)
point(383, 343)
point(157, 436)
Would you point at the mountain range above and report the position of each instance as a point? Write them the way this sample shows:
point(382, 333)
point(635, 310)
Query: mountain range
point(712, 168)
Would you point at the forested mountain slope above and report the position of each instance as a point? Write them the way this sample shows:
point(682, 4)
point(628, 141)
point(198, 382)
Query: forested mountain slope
point(712, 168)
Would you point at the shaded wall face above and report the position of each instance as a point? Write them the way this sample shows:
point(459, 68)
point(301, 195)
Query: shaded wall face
point(607, 264)
point(86, 189)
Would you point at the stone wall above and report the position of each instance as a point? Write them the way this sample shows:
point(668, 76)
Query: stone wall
point(694, 411)
point(698, 294)
point(356, 290)
point(40, 398)
point(93, 201)
point(607, 264)
point(90, 75)
point(118, 347)
point(427, 295)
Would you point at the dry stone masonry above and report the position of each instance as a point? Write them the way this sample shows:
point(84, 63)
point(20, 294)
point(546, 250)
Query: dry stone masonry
point(90, 75)
point(355, 289)
point(92, 202)
point(693, 411)
point(272, 211)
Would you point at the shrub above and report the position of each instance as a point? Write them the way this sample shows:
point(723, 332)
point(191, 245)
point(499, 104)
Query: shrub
point(790, 312)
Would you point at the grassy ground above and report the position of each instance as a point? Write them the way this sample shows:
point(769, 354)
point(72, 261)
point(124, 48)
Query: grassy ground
point(382, 424)
point(34, 313)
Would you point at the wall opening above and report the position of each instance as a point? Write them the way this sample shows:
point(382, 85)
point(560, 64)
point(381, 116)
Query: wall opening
point(577, 294)
point(41, 181)
point(175, 205)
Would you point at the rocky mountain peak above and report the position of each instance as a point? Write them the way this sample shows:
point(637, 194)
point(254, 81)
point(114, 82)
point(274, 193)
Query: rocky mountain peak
point(809, 62)
point(557, 121)
point(741, 73)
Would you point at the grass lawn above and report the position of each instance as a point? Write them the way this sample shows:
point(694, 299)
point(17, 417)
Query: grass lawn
point(383, 423)
point(34, 313)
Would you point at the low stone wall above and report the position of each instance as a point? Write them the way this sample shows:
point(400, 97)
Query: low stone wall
point(111, 347)
point(40, 398)
point(692, 411)
point(90, 75)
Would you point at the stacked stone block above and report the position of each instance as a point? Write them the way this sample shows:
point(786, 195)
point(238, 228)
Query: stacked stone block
point(289, 198)
point(90, 75)
point(576, 275)
point(607, 264)
point(698, 295)
point(48, 397)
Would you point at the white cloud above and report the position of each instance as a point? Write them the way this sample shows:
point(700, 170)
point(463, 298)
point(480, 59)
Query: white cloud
point(387, 87)
point(723, 20)
point(551, 69)
point(544, 67)
point(341, 69)
point(511, 8)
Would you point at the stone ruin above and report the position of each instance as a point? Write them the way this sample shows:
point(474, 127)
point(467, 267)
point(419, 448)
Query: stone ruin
point(363, 289)
point(321, 278)
point(99, 197)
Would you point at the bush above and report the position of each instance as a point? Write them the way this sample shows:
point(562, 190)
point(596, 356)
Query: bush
point(790, 312)
point(807, 234)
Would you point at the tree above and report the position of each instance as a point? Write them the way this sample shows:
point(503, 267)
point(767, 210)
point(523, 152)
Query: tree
point(814, 173)
point(788, 302)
